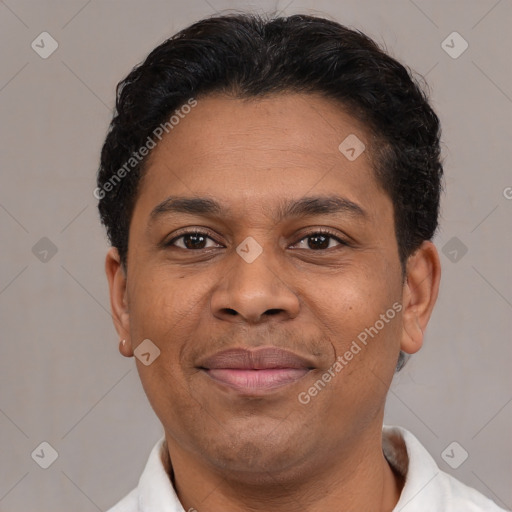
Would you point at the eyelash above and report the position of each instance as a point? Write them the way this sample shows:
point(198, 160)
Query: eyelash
point(319, 231)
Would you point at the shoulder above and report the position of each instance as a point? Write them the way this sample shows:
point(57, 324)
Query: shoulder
point(154, 491)
point(134, 500)
point(461, 497)
point(426, 486)
point(128, 504)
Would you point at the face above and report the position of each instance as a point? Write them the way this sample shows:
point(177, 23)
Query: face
point(260, 256)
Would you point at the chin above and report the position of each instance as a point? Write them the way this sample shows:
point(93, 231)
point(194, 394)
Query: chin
point(255, 461)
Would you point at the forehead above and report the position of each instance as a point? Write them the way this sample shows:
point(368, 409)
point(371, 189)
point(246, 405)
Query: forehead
point(252, 153)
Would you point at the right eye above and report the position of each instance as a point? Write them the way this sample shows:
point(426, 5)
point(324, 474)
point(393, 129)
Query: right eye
point(192, 240)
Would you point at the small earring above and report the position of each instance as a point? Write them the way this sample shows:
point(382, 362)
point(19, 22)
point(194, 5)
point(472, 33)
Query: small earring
point(125, 348)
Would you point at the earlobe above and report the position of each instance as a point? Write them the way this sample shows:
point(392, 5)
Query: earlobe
point(125, 348)
point(118, 299)
point(420, 291)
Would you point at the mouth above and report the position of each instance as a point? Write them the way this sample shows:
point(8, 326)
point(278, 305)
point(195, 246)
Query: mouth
point(256, 372)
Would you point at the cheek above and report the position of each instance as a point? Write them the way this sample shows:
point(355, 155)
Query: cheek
point(357, 312)
point(165, 311)
point(351, 298)
point(172, 400)
point(168, 311)
point(161, 306)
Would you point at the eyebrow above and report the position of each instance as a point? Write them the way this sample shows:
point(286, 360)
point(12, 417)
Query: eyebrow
point(306, 206)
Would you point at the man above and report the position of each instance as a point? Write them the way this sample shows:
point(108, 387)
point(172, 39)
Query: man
point(271, 188)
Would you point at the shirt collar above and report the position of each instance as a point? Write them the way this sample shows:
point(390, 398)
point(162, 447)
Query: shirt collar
point(402, 450)
point(156, 492)
point(409, 458)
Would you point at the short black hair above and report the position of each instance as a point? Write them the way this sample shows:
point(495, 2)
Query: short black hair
point(249, 55)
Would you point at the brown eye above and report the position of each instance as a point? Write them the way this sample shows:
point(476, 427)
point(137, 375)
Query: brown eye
point(319, 241)
point(193, 240)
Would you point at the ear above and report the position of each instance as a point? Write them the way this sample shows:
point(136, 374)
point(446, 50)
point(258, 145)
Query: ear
point(420, 290)
point(118, 299)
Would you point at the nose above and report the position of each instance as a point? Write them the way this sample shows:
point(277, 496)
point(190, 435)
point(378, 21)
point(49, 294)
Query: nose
point(254, 292)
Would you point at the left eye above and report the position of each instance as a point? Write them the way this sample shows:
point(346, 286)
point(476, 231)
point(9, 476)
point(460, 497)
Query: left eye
point(319, 241)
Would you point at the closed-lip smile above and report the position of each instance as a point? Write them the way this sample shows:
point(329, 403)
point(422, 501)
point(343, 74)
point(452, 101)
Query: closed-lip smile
point(258, 371)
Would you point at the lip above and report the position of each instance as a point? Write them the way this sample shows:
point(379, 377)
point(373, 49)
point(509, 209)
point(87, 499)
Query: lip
point(256, 371)
point(262, 358)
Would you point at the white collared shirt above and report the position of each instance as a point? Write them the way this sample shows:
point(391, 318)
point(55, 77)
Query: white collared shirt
point(426, 489)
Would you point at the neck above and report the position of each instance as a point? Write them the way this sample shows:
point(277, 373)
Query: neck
point(355, 478)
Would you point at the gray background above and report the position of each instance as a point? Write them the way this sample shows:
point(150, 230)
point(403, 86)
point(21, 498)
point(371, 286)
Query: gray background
point(62, 379)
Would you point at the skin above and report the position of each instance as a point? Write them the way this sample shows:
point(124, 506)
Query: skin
point(237, 452)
